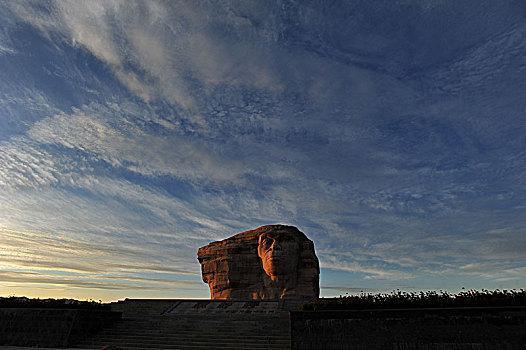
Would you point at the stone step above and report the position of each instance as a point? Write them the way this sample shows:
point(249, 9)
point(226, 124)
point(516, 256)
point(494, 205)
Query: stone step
point(161, 344)
point(202, 326)
point(187, 347)
point(214, 334)
point(203, 335)
point(244, 328)
point(197, 330)
point(169, 343)
point(223, 323)
point(176, 344)
point(161, 332)
point(193, 334)
point(172, 320)
point(181, 320)
point(155, 343)
point(184, 347)
point(225, 329)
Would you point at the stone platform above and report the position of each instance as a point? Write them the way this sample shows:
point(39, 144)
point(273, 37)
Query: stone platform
point(47, 327)
point(255, 324)
point(196, 324)
point(175, 307)
point(232, 307)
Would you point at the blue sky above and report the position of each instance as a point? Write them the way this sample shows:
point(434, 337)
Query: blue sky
point(131, 133)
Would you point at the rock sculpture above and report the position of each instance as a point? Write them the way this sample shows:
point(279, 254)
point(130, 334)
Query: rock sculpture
point(271, 262)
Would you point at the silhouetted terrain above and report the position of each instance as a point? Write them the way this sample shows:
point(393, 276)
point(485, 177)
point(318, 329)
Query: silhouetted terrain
point(23, 302)
point(430, 299)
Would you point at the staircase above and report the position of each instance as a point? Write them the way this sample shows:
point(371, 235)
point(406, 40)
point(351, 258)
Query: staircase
point(195, 332)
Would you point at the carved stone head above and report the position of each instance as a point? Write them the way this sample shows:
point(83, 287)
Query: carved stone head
point(279, 252)
point(270, 262)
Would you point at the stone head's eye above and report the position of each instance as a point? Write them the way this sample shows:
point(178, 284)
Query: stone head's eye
point(267, 242)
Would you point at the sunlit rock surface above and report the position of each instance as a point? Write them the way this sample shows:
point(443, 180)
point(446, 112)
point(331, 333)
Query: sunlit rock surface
point(270, 262)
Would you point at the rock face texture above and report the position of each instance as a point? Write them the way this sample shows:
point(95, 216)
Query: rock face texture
point(271, 262)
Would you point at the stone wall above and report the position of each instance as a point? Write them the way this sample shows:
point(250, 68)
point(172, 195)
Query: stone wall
point(142, 307)
point(432, 329)
point(50, 327)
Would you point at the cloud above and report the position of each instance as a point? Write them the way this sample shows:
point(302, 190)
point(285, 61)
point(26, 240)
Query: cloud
point(4, 50)
point(399, 149)
point(344, 289)
point(95, 132)
point(370, 270)
point(165, 42)
point(104, 133)
point(67, 253)
point(37, 259)
point(23, 165)
point(91, 283)
point(479, 67)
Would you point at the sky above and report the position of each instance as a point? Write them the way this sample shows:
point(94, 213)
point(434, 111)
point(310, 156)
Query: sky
point(392, 133)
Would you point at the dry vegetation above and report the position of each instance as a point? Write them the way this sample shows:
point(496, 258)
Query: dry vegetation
point(430, 299)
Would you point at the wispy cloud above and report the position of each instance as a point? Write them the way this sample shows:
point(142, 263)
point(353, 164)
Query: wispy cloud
point(152, 128)
point(168, 43)
point(345, 289)
point(4, 50)
point(39, 260)
point(91, 281)
point(104, 133)
point(63, 253)
point(370, 269)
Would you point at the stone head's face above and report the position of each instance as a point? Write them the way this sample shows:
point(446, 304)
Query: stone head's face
point(279, 252)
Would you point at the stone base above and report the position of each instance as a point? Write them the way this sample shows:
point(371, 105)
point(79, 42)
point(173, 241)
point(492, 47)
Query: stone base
point(160, 324)
point(210, 307)
point(225, 307)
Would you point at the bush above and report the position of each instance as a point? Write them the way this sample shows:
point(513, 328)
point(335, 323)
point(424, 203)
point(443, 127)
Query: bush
point(23, 302)
point(431, 299)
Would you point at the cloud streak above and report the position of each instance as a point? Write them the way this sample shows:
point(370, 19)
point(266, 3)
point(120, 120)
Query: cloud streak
point(78, 282)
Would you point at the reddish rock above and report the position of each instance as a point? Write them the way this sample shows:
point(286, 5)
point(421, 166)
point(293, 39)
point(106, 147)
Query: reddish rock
point(270, 262)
